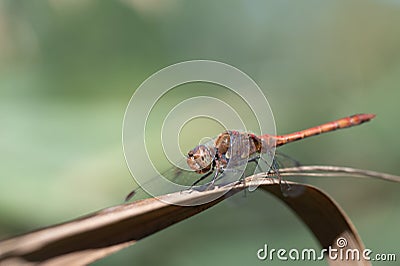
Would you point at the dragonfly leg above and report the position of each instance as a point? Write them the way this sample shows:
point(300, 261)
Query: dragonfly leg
point(285, 187)
point(214, 178)
point(201, 178)
point(274, 169)
point(256, 160)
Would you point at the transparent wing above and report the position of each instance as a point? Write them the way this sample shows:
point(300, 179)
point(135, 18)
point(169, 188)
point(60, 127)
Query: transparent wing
point(283, 160)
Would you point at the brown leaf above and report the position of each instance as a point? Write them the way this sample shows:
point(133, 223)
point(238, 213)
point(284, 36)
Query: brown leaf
point(323, 217)
point(87, 239)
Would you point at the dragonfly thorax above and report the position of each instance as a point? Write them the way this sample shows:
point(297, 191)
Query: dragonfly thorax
point(201, 159)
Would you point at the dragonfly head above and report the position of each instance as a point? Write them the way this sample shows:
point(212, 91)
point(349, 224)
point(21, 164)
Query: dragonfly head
point(200, 159)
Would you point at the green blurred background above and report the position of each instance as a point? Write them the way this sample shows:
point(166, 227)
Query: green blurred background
point(68, 69)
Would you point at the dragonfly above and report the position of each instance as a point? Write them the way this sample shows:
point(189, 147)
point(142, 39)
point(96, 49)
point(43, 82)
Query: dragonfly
point(232, 148)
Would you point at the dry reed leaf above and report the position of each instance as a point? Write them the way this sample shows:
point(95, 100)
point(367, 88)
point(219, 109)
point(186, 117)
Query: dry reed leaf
point(87, 239)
